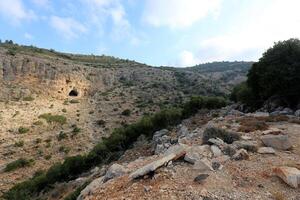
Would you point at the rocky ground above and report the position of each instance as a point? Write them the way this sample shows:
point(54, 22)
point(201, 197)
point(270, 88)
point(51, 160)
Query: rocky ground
point(254, 160)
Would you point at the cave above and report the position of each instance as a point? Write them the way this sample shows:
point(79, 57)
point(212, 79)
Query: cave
point(73, 93)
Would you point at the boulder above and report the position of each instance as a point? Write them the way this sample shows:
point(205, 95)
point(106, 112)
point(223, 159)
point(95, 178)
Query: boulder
point(216, 150)
point(241, 154)
point(289, 175)
point(114, 171)
point(297, 113)
point(91, 188)
point(182, 131)
point(158, 134)
point(248, 145)
point(221, 159)
point(266, 150)
point(281, 142)
point(173, 154)
point(196, 153)
point(203, 165)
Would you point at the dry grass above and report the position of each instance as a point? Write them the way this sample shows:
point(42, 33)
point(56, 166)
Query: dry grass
point(277, 195)
point(250, 124)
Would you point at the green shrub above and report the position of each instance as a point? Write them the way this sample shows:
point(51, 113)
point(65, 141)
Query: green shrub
point(20, 163)
point(74, 101)
point(28, 98)
point(226, 136)
point(126, 112)
point(277, 73)
point(64, 110)
point(23, 130)
point(19, 143)
point(76, 193)
point(54, 118)
point(62, 135)
point(243, 93)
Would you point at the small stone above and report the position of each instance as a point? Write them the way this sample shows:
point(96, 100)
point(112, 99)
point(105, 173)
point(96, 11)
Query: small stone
point(241, 154)
point(266, 150)
point(216, 165)
point(201, 178)
point(289, 175)
point(277, 141)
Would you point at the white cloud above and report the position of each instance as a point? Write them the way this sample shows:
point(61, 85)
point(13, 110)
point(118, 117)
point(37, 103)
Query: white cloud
point(250, 36)
point(101, 11)
point(15, 11)
point(187, 58)
point(178, 13)
point(68, 27)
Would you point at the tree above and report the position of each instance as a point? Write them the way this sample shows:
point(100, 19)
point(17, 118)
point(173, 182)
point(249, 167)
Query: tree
point(277, 73)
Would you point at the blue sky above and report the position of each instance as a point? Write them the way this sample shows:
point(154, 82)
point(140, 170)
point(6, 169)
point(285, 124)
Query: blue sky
point(156, 32)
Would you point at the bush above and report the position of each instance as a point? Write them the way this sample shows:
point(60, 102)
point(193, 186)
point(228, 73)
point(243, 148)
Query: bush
point(20, 163)
point(126, 112)
point(243, 93)
point(62, 135)
point(198, 102)
point(74, 101)
point(54, 118)
point(23, 130)
point(226, 136)
point(19, 143)
point(29, 98)
point(277, 73)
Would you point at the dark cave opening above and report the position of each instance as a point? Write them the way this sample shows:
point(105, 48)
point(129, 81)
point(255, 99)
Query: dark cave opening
point(73, 93)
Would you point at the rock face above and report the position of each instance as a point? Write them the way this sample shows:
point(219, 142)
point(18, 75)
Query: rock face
point(277, 141)
point(290, 175)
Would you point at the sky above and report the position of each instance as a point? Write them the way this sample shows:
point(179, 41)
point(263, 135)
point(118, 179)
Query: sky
point(156, 32)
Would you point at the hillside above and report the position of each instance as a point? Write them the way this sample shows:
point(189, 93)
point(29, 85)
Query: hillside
point(55, 105)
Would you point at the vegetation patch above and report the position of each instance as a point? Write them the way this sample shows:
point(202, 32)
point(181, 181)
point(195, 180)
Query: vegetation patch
point(28, 98)
point(226, 136)
point(60, 119)
point(126, 112)
point(20, 163)
point(22, 130)
point(74, 101)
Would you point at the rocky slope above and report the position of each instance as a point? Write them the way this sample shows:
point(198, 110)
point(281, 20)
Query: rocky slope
point(87, 96)
point(255, 162)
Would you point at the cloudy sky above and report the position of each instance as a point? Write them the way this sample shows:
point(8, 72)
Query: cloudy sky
point(156, 32)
